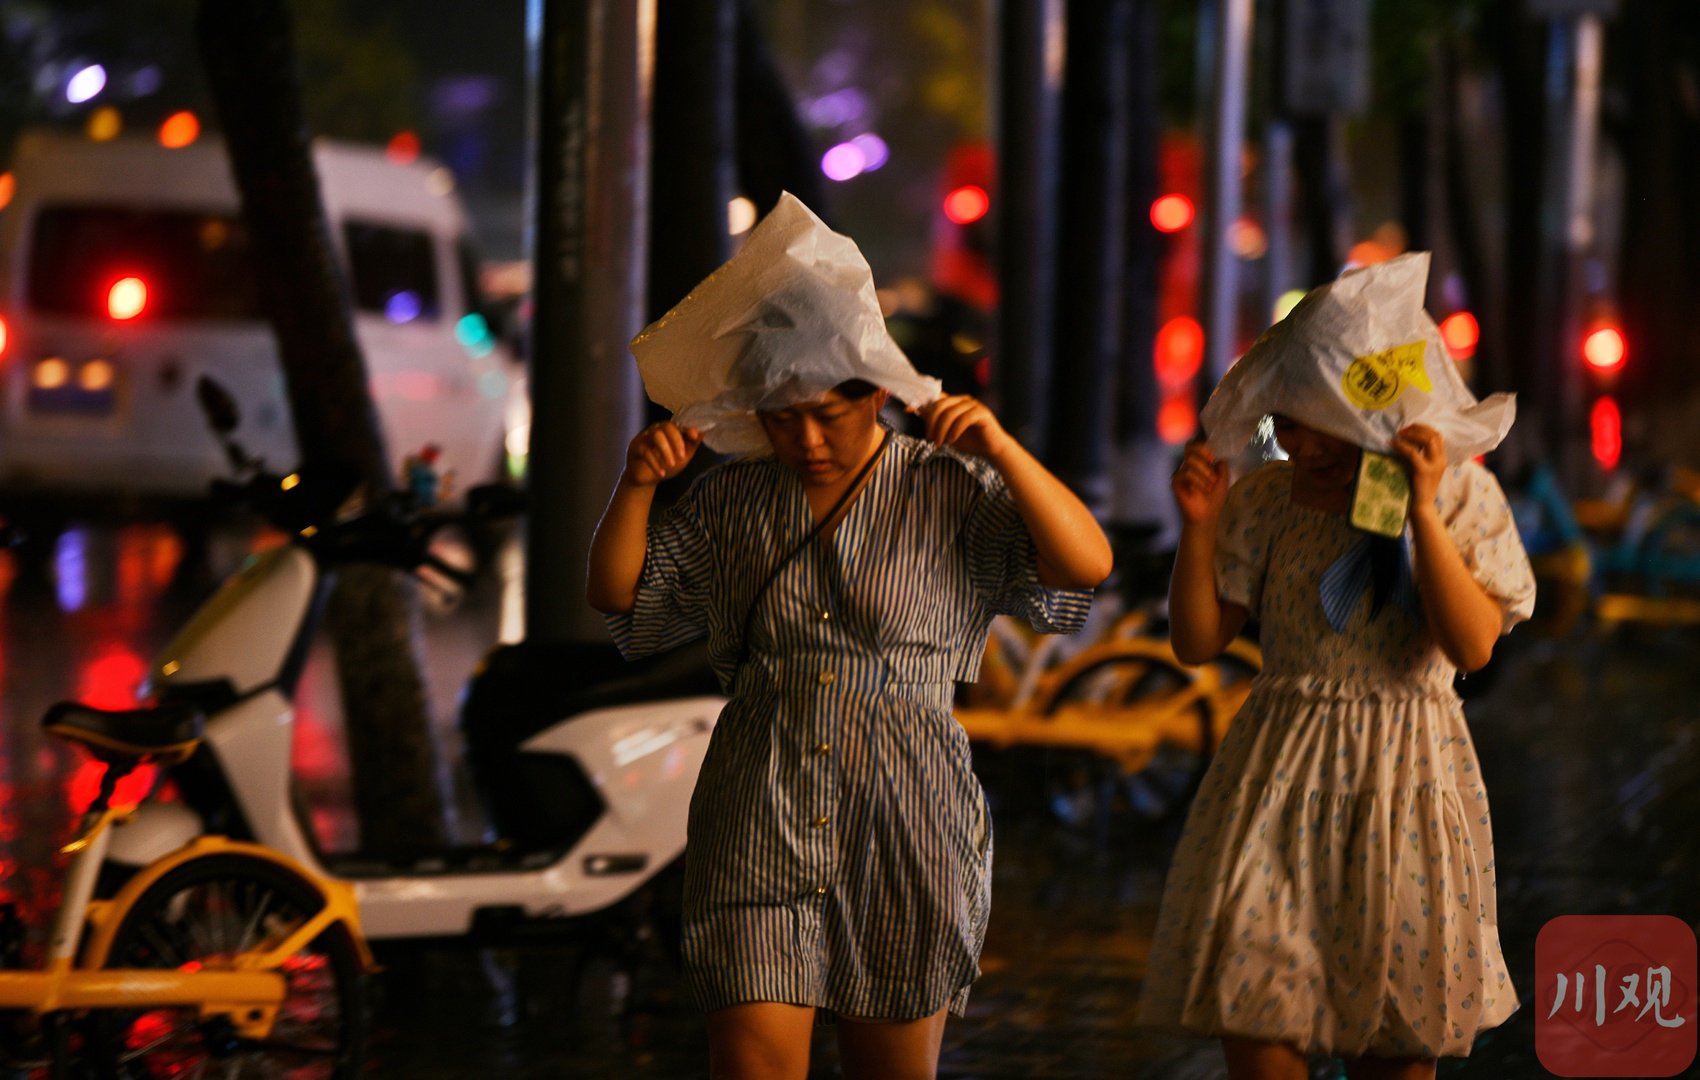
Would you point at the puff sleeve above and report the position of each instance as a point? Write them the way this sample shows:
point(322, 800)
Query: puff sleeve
point(1004, 563)
point(672, 593)
point(1243, 536)
point(1479, 520)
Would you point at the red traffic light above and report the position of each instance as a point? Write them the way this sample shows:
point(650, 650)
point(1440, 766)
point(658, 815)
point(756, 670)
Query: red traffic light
point(1604, 348)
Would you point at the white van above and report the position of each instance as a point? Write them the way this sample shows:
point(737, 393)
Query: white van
point(124, 277)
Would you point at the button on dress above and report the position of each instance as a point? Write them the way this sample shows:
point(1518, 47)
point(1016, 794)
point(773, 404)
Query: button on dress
point(1333, 888)
point(839, 848)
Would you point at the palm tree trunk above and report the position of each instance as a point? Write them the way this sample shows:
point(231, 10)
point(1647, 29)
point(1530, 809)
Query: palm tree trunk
point(248, 51)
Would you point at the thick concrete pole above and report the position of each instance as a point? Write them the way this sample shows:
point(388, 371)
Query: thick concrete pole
point(1092, 232)
point(592, 66)
point(1031, 59)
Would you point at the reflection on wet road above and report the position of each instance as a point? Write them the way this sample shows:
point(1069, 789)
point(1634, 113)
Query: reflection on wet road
point(1588, 744)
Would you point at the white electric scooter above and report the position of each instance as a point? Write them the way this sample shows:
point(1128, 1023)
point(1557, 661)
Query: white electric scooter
point(586, 763)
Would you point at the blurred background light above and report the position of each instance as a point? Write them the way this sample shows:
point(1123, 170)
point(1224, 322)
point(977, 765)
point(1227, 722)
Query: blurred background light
point(967, 204)
point(843, 162)
point(874, 151)
point(403, 148)
point(1461, 333)
point(85, 84)
point(1286, 302)
point(51, 373)
point(1604, 348)
point(8, 185)
point(1247, 239)
point(1179, 350)
point(127, 298)
point(1177, 418)
point(104, 124)
point(95, 376)
point(846, 106)
point(440, 181)
point(740, 216)
point(146, 81)
point(179, 130)
point(402, 307)
point(1605, 432)
point(1171, 213)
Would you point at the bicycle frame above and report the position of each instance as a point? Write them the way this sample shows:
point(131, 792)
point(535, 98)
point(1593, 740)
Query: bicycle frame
point(247, 994)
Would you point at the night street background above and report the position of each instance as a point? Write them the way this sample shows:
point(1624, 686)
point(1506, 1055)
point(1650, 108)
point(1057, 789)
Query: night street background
point(1587, 744)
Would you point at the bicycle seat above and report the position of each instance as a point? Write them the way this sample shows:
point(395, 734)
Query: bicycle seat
point(161, 731)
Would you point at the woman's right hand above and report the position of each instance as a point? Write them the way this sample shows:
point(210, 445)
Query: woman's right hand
point(659, 451)
point(1200, 485)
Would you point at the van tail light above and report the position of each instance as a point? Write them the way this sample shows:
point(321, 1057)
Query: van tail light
point(127, 298)
point(4, 333)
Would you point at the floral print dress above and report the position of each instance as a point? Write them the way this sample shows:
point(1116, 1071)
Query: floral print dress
point(1333, 888)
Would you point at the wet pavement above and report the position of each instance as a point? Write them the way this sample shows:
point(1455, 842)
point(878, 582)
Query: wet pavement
point(1588, 744)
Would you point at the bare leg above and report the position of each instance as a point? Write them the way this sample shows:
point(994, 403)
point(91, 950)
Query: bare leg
point(891, 1049)
point(1374, 1068)
point(1249, 1059)
point(761, 1040)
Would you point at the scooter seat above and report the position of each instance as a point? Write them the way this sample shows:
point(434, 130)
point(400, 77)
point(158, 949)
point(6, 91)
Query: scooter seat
point(162, 731)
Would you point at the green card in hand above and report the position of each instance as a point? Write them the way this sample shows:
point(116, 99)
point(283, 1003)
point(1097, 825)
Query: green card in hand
point(1382, 495)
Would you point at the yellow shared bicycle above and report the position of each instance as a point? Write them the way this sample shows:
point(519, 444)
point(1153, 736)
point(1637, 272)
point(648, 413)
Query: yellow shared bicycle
point(218, 959)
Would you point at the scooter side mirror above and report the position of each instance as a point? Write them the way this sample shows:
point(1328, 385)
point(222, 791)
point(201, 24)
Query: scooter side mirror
point(217, 405)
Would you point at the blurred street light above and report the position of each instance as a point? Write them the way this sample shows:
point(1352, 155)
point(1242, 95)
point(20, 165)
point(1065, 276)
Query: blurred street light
point(85, 84)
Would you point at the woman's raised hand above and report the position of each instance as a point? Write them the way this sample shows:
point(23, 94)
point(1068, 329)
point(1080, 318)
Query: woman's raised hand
point(1200, 485)
point(659, 451)
point(1424, 450)
point(965, 423)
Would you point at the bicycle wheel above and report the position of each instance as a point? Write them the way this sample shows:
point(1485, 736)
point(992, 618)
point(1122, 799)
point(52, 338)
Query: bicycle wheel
point(202, 914)
point(1139, 682)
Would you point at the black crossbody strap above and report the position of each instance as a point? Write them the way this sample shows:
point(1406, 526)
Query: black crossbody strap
point(773, 575)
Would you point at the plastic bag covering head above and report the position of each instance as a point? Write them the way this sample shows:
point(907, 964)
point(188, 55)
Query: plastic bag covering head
point(1358, 359)
point(789, 317)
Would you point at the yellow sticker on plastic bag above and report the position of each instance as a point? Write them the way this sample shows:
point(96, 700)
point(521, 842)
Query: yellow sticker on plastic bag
point(1375, 381)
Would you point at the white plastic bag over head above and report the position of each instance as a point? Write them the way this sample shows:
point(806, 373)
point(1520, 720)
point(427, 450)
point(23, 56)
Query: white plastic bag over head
point(1359, 359)
point(789, 317)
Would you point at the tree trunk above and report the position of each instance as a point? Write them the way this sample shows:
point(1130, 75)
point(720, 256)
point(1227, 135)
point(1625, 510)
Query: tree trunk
point(249, 55)
point(1521, 52)
point(1325, 197)
point(691, 149)
point(1465, 231)
point(1660, 221)
point(774, 150)
point(1137, 391)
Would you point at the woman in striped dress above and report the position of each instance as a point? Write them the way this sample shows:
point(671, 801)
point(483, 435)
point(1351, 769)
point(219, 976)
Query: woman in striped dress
point(840, 850)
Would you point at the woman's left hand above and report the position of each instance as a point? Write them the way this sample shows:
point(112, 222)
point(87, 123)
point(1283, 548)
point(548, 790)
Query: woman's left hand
point(962, 422)
point(1424, 451)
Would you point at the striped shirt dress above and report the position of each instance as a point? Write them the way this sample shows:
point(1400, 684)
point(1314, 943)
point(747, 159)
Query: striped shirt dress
point(839, 851)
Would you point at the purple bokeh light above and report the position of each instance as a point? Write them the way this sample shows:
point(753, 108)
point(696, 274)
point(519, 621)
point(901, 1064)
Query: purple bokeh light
point(844, 106)
point(874, 151)
point(402, 307)
point(843, 161)
point(85, 84)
